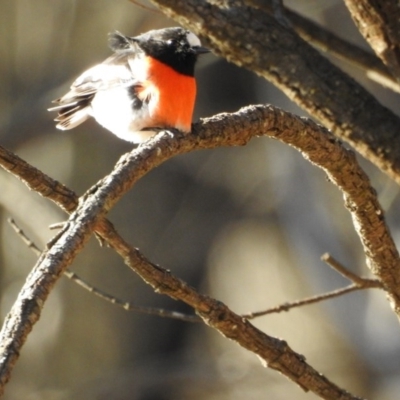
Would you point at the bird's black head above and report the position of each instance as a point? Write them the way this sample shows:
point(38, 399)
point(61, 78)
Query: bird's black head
point(175, 47)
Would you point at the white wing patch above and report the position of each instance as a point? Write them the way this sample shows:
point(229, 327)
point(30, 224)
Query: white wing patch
point(103, 77)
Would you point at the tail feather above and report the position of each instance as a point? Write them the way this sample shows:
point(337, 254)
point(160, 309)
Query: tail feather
point(62, 106)
point(72, 118)
point(67, 112)
point(72, 111)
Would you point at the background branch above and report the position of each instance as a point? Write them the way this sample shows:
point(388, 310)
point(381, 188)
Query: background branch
point(327, 41)
point(378, 22)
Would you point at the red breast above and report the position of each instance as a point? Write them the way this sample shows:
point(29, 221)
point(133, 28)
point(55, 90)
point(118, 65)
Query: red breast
point(176, 95)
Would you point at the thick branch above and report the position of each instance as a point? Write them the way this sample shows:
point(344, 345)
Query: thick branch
point(378, 22)
point(315, 143)
point(255, 40)
point(327, 41)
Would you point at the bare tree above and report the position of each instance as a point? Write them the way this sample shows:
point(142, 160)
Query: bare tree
point(270, 40)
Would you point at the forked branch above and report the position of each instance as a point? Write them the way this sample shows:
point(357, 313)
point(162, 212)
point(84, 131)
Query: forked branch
point(315, 143)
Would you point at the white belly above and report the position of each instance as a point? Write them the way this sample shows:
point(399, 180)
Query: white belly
point(112, 108)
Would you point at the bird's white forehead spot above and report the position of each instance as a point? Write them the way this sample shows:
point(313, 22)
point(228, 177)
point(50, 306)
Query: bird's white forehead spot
point(193, 40)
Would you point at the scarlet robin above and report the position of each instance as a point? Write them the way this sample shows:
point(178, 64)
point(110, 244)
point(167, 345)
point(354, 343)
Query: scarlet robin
point(147, 83)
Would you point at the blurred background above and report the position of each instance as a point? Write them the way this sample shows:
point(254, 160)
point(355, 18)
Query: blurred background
point(246, 225)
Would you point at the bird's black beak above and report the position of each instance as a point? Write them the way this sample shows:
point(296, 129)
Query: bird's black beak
point(201, 50)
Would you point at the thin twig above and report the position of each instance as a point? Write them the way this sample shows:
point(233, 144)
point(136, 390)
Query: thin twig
point(129, 306)
point(57, 225)
point(363, 283)
point(358, 283)
point(307, 301)
point(31, 245)
point(99, 293)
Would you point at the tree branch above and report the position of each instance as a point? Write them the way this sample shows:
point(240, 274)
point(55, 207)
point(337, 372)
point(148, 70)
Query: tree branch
point(254, 39)
point(315, 143)
point(327, 41)
point(378, 22)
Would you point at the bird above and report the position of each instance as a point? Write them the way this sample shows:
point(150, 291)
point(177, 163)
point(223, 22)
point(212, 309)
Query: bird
point(147, 84)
